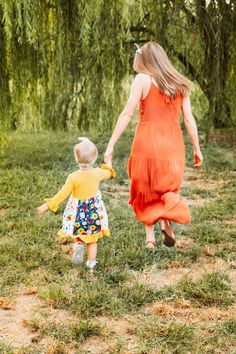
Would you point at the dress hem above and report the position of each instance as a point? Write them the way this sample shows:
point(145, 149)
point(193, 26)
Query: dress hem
point(86, 238)
point(170, 206)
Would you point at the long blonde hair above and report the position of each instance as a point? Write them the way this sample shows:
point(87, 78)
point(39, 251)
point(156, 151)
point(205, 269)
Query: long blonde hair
point(151, 59)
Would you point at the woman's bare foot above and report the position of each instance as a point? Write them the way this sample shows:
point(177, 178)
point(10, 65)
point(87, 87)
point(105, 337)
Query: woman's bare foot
point(150, 237)
point(168, 234)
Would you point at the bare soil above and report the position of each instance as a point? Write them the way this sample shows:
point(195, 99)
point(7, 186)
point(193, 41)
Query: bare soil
point(12, 317)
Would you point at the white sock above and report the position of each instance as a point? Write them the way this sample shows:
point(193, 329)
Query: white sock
point(91, 263)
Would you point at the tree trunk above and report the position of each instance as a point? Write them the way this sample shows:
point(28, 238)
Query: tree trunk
point(4, 82)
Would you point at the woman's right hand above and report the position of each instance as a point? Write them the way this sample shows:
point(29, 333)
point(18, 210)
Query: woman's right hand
point(108, 155)
point(198, 158)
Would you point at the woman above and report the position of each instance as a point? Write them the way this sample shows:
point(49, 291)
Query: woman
point(157, 160)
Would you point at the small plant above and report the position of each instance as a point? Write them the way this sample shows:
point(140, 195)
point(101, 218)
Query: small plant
point(135, 296)
point(33, 325)
point(76, 332)
point(227, 328)
point(57, 348)
point(165, 337)
point(5, 349)
point(55, 295)
point(212, 289)
point(114, 277)
point(84, 329)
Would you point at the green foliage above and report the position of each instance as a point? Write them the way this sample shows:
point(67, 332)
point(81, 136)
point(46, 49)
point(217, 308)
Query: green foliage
point(5, 349)
point(159, 336)
point(226, 328)
point(168, 338)
point(67, 64)
point(3, 143)
point(77, 332)
point(213, 289)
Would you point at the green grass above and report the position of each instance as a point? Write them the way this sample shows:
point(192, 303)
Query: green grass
point(164, 337)
point(213, 289)
point(87, 300)
point(76, 332)
point(158, 336)
point(34, 166)
point(227, 328)
point(5, 349)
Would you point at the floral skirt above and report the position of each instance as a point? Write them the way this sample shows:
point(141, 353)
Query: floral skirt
point(85, 219)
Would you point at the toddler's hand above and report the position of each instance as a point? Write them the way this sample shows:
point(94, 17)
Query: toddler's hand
point(42, 208)
point(198, 158)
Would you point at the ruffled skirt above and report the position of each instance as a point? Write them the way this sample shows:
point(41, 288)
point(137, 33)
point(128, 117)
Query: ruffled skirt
point(154, 190)
point(86, 219)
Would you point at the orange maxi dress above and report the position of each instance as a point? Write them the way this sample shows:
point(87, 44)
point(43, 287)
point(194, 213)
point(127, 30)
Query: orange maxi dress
point(157, 161)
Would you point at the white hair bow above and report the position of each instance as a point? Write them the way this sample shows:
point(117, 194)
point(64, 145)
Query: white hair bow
point(138, 49)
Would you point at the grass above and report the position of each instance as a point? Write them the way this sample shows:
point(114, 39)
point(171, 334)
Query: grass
point(76, 332)
point(156, 336)
point(212, 289)
point(159, 336)
point(35, 166)
point(5, 349)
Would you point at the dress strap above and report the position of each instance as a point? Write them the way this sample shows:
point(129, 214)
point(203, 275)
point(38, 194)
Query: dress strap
point(153, 81)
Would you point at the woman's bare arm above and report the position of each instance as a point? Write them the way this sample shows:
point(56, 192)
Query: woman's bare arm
point(126, 115)
point(191, 128)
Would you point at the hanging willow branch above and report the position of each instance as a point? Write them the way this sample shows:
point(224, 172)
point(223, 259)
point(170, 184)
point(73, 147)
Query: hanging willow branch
point(64, 62)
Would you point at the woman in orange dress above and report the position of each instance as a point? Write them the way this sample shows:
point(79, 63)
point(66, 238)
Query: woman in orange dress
point(157, 159)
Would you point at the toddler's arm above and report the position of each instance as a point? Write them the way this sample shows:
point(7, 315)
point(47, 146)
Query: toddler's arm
point(53, 203)
point(106, 171)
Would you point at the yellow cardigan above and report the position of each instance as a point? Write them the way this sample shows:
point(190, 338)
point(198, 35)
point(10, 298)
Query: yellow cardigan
point(82, 185)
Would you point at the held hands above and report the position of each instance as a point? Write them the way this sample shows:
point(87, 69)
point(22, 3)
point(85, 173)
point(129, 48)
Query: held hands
point(108, 155)
point(42, 208)
point(198, 158)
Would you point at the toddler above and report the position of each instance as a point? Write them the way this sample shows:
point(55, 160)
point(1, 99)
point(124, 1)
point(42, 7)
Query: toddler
point(85, 217)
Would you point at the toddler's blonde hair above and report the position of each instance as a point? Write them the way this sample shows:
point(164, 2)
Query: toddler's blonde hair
point(85, 152)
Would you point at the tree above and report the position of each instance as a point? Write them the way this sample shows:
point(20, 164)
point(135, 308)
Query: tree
point(201, 35)
point(66, 62)
point(215, 23)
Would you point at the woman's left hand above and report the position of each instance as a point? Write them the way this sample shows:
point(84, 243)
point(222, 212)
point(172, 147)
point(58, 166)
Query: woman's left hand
point(198, 158)
point(42, 209)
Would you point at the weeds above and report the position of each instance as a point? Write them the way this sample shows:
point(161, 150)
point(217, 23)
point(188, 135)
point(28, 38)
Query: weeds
point(5, 349)
point(163, 337)
point(213, 289)
point(76, 332)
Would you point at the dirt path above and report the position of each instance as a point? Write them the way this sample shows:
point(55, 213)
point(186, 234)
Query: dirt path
point(12, 317)
point(157, 278)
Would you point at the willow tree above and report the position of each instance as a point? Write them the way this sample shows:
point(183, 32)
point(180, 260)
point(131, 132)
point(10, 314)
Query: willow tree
point(201, 34)
point(63, 60)
point(67, 61)
point(215, 25)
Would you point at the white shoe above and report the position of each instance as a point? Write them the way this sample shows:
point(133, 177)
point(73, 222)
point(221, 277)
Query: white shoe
point(90, 264)
point(78, 254)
